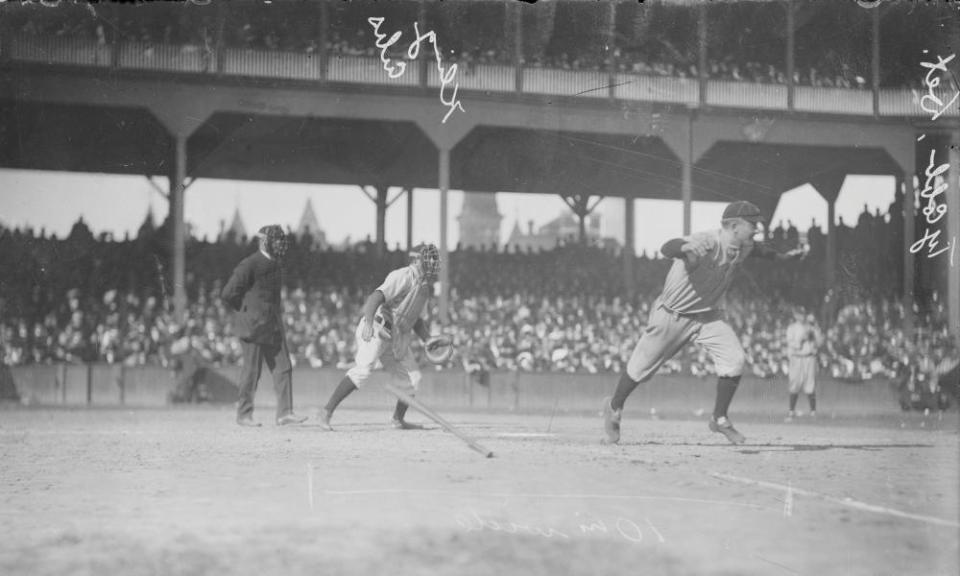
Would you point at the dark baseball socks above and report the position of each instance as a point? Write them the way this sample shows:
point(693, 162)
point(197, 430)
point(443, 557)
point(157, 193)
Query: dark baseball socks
point(625, 386)
point(400, 411)
point(344, 389)
point(726, 388)
point(812, 398)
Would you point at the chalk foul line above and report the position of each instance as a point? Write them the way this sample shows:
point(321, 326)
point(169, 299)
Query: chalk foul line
point(849, 502)
point(374, 491)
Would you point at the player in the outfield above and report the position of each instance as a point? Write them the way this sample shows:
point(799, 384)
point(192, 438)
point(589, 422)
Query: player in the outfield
point(690, 308)
point(253, 292)
point(391, 316)
point(803, 341)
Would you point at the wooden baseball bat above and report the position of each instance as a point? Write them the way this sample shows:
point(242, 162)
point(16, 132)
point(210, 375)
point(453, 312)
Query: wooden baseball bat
point(429, 413)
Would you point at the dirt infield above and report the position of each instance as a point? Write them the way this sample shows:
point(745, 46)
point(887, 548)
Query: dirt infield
point(113, 491)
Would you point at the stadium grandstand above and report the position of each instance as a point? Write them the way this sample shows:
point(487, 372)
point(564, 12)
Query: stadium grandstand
point(96, 299)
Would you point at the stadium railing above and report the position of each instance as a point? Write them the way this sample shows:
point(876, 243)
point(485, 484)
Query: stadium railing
point(838, 100)
point(269, 64)
point(105, 385)
point(488, 77)
point(194, 59)
point(656, 89)
point(367, 70)
point(739, 94)
point(167, 57)
point(70, 51)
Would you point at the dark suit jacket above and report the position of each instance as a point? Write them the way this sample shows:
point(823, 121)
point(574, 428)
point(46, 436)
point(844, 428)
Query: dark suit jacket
point(253, 291)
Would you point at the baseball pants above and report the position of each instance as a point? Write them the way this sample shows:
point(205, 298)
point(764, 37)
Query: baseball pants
point(402, 367)
point(803, 371)
point(667, 332)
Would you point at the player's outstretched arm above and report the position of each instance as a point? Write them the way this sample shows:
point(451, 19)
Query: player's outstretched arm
point(682, 248)
point(762, 250)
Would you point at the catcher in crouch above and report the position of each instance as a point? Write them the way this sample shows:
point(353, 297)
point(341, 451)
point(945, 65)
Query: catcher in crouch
point(391, 315)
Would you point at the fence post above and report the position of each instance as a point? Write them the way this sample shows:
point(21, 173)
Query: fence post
point(469, 380)
point(62, 382)
point(120, 373)
point(89, 384)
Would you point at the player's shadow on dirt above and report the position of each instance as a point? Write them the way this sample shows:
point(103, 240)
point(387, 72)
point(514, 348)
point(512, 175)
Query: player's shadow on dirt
point(757, 449)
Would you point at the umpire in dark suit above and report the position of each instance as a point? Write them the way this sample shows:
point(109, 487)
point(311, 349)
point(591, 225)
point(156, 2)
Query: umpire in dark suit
point(253, 291)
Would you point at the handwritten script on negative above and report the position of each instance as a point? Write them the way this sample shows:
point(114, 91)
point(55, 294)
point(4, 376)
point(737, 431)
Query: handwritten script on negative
point(931, 103)
point(396, 68)
point(934, 185)
point(620, 528)
point(935, 181)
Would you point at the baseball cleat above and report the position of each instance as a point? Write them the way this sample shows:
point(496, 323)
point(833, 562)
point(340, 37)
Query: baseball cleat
point(248, 421)
point(723, 426)
point(323, 420)
point(291, 418)
point(404, 425)
point(611, 422)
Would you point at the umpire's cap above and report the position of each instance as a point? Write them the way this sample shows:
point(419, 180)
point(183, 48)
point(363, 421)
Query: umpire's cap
point(742, 209)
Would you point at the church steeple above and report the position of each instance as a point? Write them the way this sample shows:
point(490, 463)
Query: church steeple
point(237, 229)
point(479, 220)
point(309, 224)
point(148, 226)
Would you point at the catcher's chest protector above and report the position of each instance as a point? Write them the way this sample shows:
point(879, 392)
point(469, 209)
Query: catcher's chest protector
point(411, 307)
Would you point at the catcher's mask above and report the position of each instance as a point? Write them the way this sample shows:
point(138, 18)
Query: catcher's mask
point(274, 241)
point(428, 259)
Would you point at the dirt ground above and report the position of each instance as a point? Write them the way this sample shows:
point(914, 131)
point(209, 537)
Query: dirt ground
point(188, 492)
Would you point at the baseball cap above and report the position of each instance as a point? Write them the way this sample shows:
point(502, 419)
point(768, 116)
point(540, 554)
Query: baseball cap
point(742, 209)
point(271, 230)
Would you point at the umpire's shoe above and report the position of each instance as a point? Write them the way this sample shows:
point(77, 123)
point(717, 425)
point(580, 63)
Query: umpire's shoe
point(290, 418)
point(611, 422)
point(723, 426)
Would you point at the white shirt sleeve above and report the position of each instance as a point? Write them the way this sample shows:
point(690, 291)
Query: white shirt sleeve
point(396, 284)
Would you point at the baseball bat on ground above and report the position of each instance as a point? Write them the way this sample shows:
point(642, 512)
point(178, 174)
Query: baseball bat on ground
point(429, 413)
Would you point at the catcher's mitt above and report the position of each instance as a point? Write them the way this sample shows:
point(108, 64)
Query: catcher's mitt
point(438, 349)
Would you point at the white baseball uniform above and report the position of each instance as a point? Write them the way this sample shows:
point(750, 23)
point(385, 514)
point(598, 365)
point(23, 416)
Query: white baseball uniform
point(803, 340)
point(405, 292)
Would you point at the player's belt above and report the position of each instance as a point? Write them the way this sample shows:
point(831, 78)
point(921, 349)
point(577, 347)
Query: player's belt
point(676, 314)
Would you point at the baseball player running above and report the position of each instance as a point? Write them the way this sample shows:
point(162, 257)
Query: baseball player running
point(391, 314)
point(690, 309)
point(803, 341)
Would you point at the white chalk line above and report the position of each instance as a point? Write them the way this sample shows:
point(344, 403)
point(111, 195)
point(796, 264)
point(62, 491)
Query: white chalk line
point(310, 484)
point(850, 502)
point(376, 491)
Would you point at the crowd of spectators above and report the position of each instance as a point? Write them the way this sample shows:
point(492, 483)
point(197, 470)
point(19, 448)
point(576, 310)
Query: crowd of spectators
point(483, 34)
point(97, 299)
